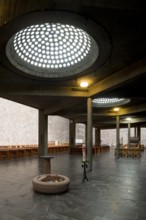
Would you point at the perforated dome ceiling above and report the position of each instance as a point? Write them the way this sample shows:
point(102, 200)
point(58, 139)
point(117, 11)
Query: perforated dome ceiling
point(109, 102)
point(56, 45)
point(54, 50)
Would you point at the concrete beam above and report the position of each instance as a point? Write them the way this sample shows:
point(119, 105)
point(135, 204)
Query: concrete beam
point(134, 109)
point(119, 78)
point(19, 89)
point(108, 112)
point(113, 81)
point(54, 108)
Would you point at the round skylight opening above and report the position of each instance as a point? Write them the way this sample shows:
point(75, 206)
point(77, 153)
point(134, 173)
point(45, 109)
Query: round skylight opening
point(109, 102)
point(52, 50)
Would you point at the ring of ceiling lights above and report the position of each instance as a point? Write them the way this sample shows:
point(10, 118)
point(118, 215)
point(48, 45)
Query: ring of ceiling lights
point(56, 45)
point(109, 102)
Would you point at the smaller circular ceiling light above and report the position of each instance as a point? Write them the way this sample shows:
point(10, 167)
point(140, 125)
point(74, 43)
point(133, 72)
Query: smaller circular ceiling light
point(84, 84)
point(116, 109)
point(109, 102)
point(52, 50)
point(128, 119)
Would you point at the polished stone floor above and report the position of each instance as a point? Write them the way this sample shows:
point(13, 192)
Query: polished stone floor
point(116, 189)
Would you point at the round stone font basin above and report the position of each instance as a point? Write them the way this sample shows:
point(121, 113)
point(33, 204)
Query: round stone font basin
point(51, 183)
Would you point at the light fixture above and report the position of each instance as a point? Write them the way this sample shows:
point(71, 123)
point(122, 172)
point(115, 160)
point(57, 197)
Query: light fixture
point(116, 109)
point(84, 84)
point(109, 102)
point(128, 119)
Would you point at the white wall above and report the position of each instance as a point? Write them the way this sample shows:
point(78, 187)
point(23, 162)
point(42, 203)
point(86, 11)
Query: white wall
point(58, 129)
point(18, 124)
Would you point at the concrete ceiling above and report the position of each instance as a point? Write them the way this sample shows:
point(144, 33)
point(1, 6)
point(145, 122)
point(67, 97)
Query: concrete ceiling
point(123, 74)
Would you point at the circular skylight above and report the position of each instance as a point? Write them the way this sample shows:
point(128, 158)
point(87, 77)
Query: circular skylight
point(52, 50)
point(109, 102)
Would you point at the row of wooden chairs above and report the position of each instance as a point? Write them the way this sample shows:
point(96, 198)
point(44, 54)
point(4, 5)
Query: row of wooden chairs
point(16, 153)
point(18, 146)
point(58, 149)
point(128, 152)
point(96, 150)
point(11, 153)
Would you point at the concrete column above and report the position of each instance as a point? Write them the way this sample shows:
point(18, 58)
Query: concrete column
point(85, 134)
point(139, 133)
point(43, 134)
point(97, 137)
point(89, 133)
point(129, 134)
point(135, 131)
point(72, 134)
point(117, 135)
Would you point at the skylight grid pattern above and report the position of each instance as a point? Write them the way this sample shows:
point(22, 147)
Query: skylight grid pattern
point(109, 102)
point(52, 45)
point(52, 50)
